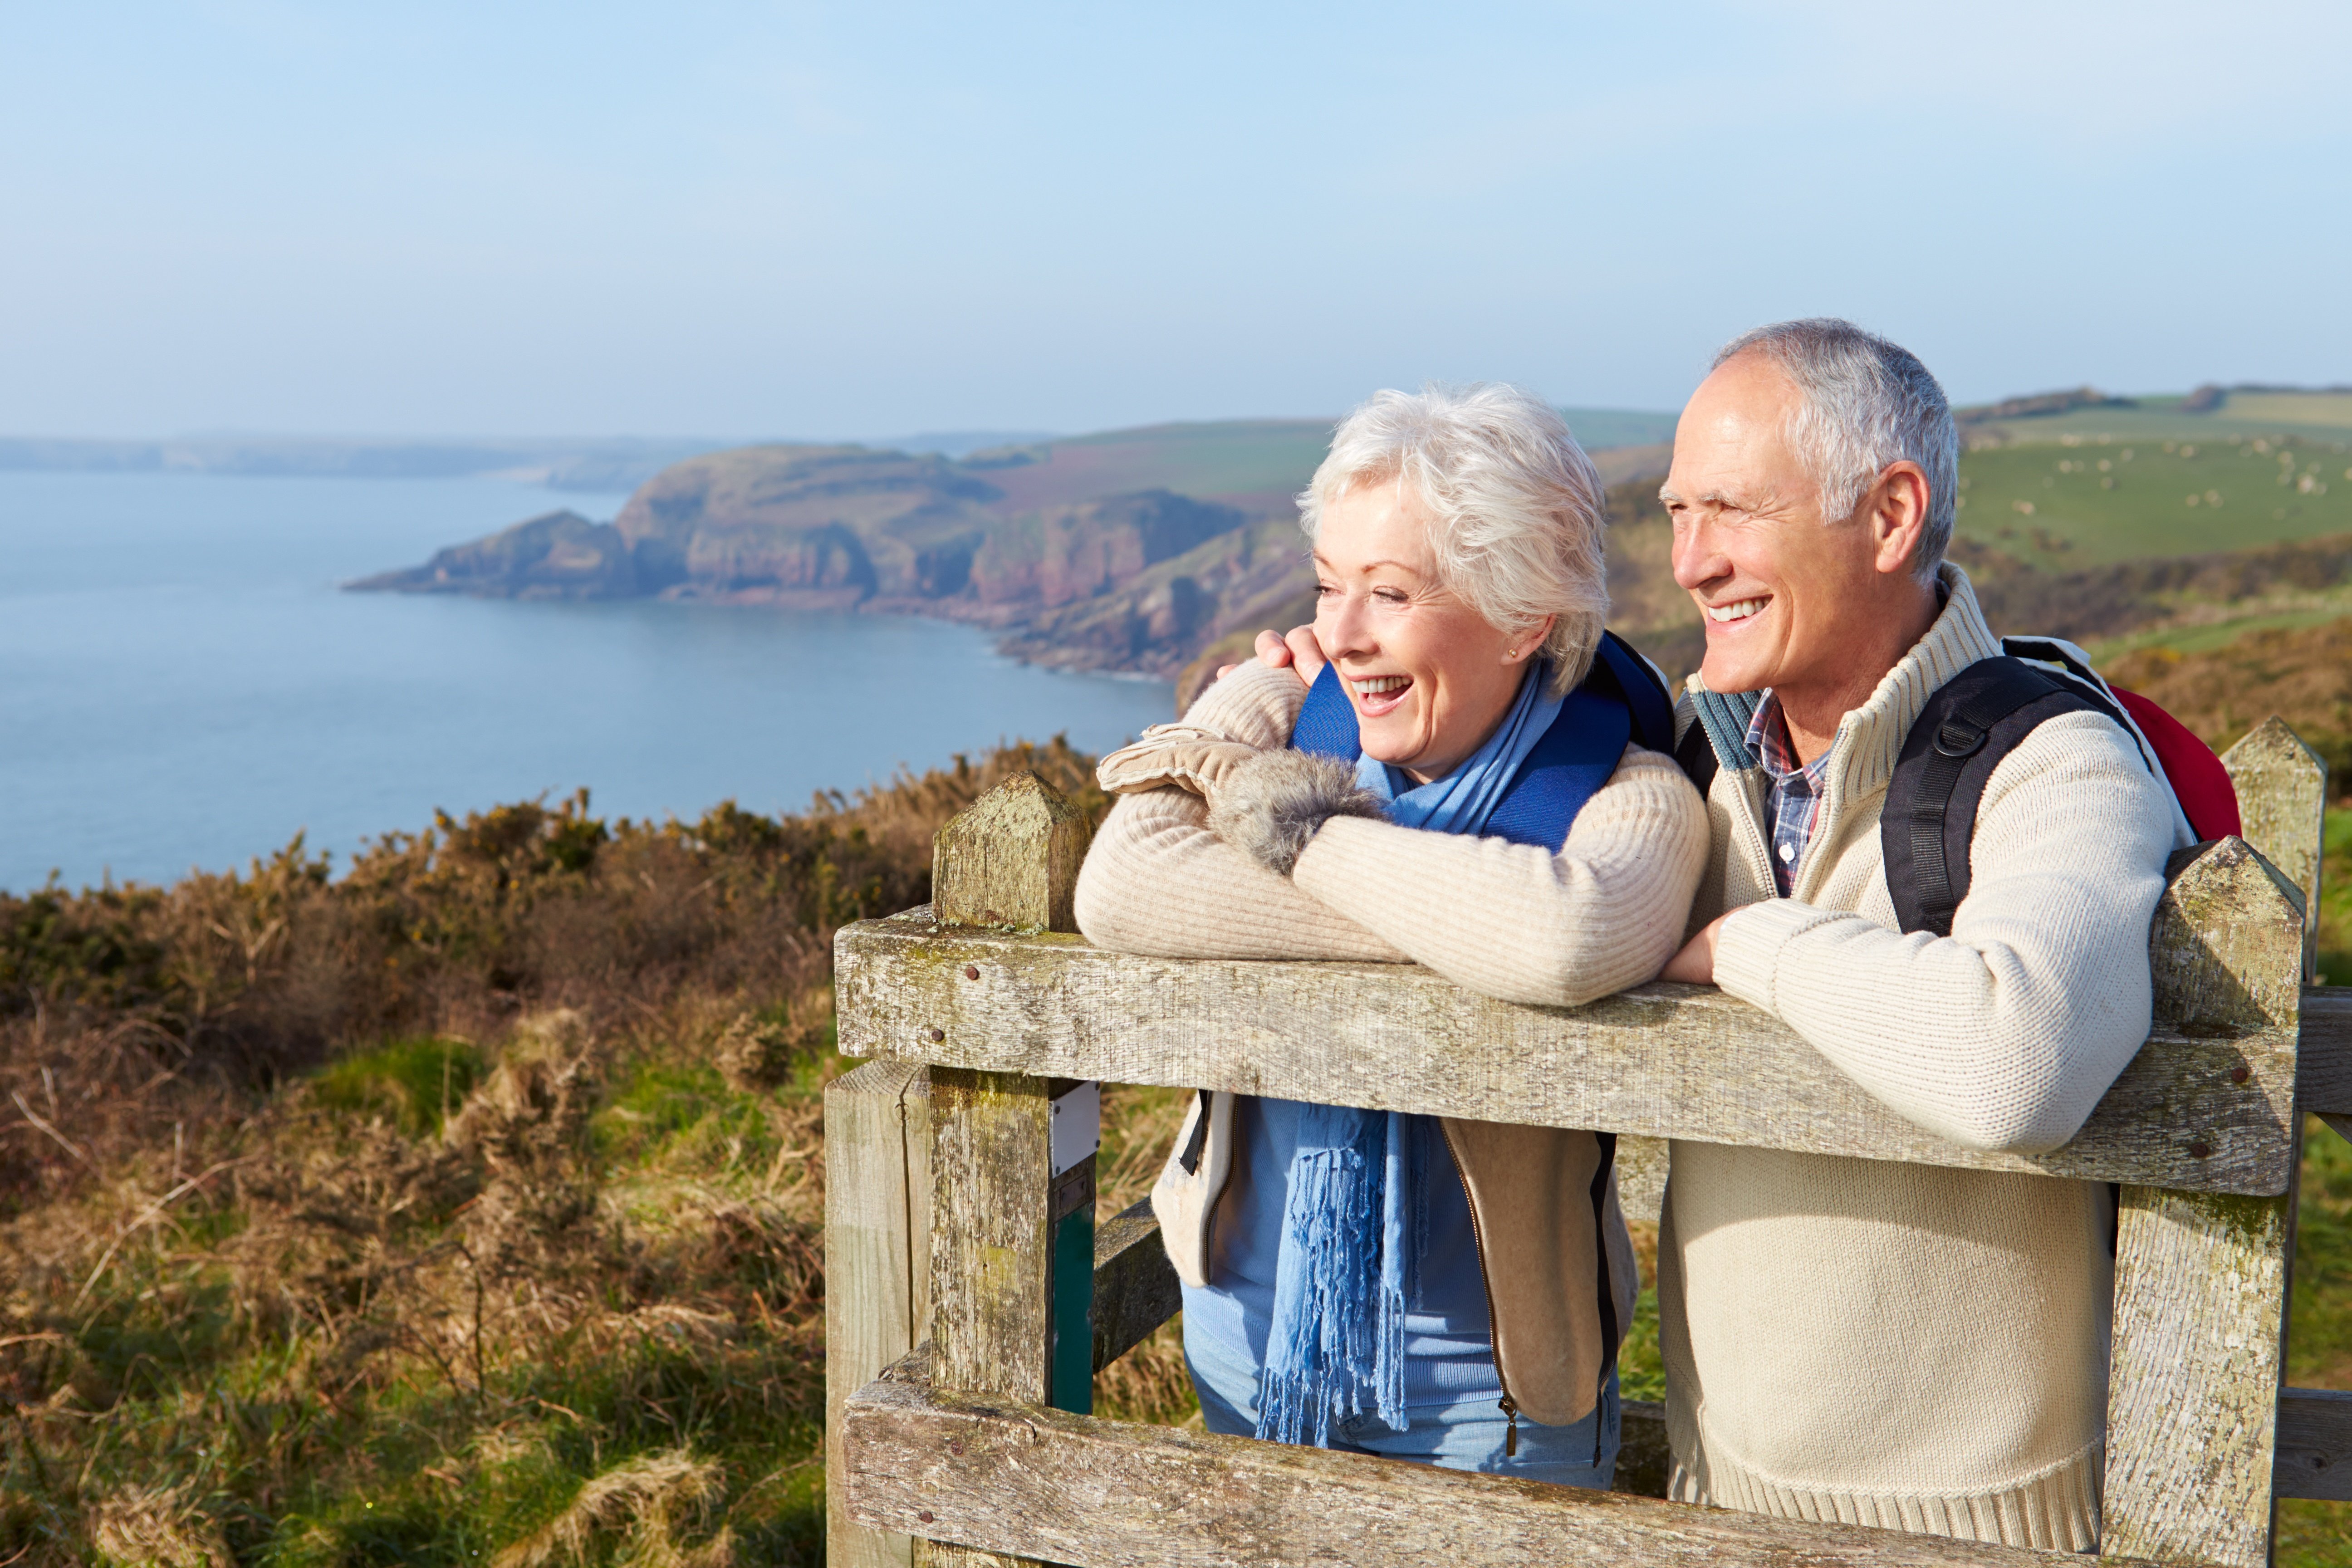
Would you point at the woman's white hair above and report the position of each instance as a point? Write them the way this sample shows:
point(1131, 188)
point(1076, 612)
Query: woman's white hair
point(1513, 506)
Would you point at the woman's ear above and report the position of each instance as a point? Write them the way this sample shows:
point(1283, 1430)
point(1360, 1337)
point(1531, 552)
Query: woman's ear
point(1530, 641)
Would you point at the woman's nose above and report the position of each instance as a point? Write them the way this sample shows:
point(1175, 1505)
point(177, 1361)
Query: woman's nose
point(1348, 630)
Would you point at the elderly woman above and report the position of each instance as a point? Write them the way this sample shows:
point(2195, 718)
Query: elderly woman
point(1475, 781)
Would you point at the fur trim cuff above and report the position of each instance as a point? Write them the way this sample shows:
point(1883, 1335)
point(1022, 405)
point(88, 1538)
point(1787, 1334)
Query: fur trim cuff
point(1269, 805)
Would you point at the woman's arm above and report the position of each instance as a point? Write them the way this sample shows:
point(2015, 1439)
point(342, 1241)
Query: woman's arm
point(1156, 880)
point(1520, 923)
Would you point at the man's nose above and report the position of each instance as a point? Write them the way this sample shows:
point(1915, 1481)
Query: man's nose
point(1697, 560)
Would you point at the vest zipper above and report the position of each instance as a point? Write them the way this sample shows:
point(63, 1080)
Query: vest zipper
point(1757, 843)
point(1508, 1405)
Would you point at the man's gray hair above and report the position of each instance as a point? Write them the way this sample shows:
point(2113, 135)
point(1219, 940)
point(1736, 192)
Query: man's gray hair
point(1514, 509)
point(1864, 404)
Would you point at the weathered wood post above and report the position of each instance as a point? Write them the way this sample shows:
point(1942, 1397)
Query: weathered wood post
point(877, 1266)
point(1012, 1242)
point(2203, 1280)
point(2283, 803)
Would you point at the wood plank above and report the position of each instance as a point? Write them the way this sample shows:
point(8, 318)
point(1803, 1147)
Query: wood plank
point(2315, 1444)
point(1136, 1287)
point(1646, 1459)
point(991, 1231)
point(1641, 1178)
point(1658, 1061)
point(2282, 787)
point(1010, 860)
point(1015, 1477)
point(2201, 1278)
point(877, 1304)
point(2322, 1075)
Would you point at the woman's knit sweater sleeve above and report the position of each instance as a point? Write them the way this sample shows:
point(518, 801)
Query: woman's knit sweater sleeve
point(1157, 882)
point(1603, 911)
point(2005, 1034)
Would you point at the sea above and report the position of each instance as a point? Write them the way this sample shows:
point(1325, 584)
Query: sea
point(183, 685)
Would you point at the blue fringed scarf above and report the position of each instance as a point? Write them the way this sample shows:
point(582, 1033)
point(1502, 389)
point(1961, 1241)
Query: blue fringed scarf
point(1337, 1341)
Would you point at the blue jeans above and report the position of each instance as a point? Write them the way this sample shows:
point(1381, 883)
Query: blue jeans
point(1458, 1437)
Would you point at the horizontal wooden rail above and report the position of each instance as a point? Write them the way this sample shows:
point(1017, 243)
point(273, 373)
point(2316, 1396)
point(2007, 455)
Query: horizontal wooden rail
point(1136, 1289)
point(2205, 1111)
point(1001, 1476)
point(2315, 1444)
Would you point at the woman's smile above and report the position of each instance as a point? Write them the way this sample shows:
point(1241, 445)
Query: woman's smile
point(1378, 696)
point(1429, 678)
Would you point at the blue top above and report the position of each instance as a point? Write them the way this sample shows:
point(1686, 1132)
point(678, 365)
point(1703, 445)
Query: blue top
point(1346, 1277)
point(1449, 1346)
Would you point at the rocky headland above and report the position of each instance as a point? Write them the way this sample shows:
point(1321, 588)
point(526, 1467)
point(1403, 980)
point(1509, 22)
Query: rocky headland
point(1147, 551)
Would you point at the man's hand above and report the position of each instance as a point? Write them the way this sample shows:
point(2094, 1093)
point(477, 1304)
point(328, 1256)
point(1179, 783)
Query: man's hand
point(1299, 650)
point(1695, 965)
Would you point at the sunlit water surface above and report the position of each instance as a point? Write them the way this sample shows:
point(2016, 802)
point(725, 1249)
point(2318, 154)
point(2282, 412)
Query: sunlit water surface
point(181, 684)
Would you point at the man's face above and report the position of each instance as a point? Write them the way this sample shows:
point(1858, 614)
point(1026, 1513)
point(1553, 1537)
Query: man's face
point(1780, 590)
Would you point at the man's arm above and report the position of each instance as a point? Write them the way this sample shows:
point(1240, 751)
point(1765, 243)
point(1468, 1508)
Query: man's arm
point(2005, 1034)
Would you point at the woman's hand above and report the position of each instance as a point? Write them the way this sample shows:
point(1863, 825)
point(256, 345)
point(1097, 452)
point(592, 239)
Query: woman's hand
point(1299, 650)
point(1695, 965)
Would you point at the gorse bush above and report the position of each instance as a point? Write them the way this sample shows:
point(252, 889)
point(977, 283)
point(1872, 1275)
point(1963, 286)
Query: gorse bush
point(464, 1208)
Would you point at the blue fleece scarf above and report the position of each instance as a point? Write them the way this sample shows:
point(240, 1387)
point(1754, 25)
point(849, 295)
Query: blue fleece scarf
point(1337, 1341)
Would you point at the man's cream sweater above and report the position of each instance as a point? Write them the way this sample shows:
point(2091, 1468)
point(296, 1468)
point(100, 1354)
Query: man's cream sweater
point(1899, 1345)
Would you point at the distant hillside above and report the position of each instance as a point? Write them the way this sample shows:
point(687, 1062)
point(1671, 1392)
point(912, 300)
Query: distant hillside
point(601, 464)
point(1127, 549)
point(1164, 550)
point(2209, 413)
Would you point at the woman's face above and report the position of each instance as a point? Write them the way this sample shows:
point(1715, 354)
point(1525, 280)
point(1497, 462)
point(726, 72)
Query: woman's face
point(1430, 678)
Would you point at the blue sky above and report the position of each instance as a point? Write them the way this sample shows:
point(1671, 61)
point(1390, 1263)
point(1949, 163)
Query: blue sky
point(738, 220)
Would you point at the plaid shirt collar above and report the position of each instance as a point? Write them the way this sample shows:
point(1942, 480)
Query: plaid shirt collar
point(1795, 797)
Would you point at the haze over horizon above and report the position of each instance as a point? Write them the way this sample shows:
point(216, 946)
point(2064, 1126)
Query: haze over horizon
point(729, 221)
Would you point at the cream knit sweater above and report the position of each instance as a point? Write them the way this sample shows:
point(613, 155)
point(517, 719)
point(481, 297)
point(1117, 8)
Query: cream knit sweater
point(1900, 1345)
point(1603, 911)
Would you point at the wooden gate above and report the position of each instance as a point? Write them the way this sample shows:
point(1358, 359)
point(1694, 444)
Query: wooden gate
point(970, 1296)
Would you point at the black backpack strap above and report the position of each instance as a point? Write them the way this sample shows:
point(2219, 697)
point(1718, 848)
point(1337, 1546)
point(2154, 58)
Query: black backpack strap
point(1971, 722)
point(1697, 758)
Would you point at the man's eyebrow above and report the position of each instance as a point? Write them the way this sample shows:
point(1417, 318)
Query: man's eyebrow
point(1708, 497)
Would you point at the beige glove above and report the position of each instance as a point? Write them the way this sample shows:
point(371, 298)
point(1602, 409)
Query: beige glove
point(1174, 756)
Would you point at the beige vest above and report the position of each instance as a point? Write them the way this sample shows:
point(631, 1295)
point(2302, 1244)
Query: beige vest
point(1538, 1246)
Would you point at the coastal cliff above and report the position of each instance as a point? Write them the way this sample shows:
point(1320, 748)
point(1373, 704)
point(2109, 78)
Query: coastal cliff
point(1146, 550)
point(1125, 578)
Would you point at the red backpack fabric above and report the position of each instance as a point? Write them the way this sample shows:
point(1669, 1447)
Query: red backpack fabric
point(2207, 796)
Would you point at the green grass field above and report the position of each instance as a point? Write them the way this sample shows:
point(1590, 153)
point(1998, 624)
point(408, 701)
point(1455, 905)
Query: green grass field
point(2320, 416)
point(2063, 507)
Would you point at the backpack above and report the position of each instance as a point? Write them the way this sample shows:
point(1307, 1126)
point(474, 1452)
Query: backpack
point(1961, 735)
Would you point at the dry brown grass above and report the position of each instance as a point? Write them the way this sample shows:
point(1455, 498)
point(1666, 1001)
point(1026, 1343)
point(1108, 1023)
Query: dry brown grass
point(469, 1204)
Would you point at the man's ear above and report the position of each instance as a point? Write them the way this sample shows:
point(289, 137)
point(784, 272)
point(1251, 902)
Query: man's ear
point(1899, 515)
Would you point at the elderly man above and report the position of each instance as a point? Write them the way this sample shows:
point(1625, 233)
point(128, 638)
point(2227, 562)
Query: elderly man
point(1899, 1345)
